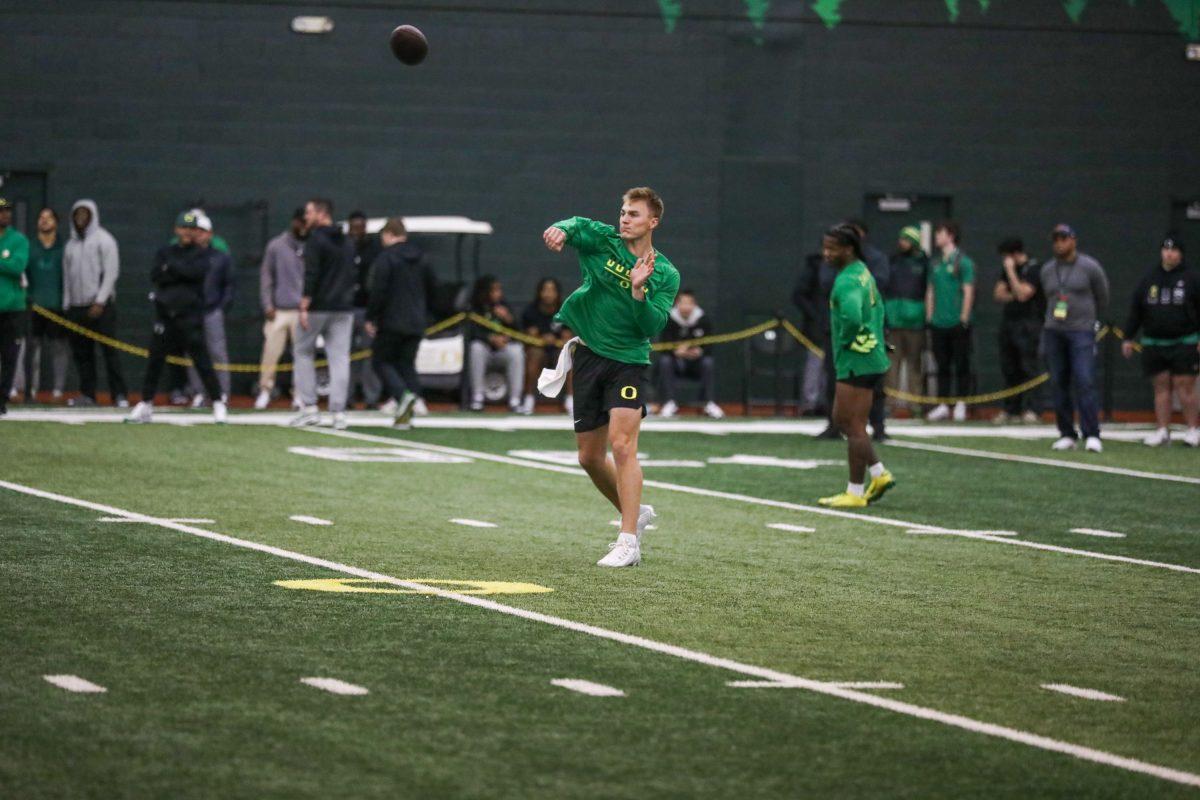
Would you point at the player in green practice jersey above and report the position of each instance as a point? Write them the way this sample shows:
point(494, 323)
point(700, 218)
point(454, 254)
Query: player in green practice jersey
point(860, 361)
point(627, 293)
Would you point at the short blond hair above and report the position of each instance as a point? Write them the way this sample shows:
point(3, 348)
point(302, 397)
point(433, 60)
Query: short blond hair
point(647, 196)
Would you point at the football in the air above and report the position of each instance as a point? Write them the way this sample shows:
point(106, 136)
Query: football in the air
point(409, 45)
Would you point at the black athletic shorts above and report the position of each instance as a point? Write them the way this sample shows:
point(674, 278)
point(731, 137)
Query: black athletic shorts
point(1177, 359)
point(871, 381)
point(601, 385)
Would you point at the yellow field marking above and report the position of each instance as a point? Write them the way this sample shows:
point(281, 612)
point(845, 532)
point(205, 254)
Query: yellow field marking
point(461, 587)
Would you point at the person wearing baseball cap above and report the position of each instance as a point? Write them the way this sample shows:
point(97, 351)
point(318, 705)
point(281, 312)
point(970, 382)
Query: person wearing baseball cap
point(1165, 311)
point(1076, 290)
point(14, 256)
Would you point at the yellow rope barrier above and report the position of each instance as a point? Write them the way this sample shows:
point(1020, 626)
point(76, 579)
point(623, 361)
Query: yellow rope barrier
point(719, 338)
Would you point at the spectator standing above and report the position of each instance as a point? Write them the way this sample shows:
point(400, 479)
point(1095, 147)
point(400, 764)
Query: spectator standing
point(367, 247)
point(14, 257)
point(1076, 291)
point(904, 304)
point(1165, 310)
point(538, 320)
point(949, 303)
point(1018, 290)
point(281, 287)
point(492, 350)
point(811, 296)
point(401, 291)
point(326, 309)
point(45, 277)
point(91, 265)
point(218, 297)
point(178, 278)
point(686, 321)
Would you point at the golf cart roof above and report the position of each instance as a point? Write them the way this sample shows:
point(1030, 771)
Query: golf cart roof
point(434, 225)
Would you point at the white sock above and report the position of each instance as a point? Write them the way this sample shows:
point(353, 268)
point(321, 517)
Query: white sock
point(876, 469)
point(855, 489)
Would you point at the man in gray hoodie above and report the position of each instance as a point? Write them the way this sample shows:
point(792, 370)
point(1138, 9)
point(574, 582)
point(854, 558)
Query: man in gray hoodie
point(91, 264)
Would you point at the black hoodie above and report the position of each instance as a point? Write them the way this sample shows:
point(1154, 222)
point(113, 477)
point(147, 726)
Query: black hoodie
point(1166, 304)
point(329, 273)
point(402, 288)
point(178, 279)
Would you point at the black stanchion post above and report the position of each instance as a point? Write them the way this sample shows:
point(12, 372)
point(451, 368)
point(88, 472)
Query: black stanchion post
point(778, 365)
point(1110, 362)
point(464, 398)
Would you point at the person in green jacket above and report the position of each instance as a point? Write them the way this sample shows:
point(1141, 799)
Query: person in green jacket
point(14, 255)
point(627, 294)
point(860, 362)
point(45, 278)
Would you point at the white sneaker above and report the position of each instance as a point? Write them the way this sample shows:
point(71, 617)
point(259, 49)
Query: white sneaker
point(960, 412)
point(419, 408)
point(477, 403)
point(1030, 418)
point(1092, 445)
point(527, 405)
point(645, 517)
point(713, 410)
point(307, 416)
point(939, 413)
point(141, 413)
point(197, 401)
point(56, 394)
point(220, 412)
point(402, 418)
point(1192, 437)
point(1001, 418)
point(339, 421)
point(1157, 439)
point(389, 408)
point(624, 552)
point(569, 405)
point(1064, 443)
point(668, 409)
point(262, 401)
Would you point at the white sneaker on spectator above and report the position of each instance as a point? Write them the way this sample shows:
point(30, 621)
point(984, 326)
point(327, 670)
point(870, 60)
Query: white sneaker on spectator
point(939, 413)
point(220, 412)
point(527, 405)
point(419, 408)
point(569, 405)
point(624, 552)
point(1064, 443)
point(713, 410)
point(646, 515)
point(1001, 418)
point(668, 409)
point(477, 403)
point(122, 401)
point(1030, 418)
point(402, 418)
point(514, 406)
point(197, 400)
point(306, 416)
point(389, 407)
point(1092, 445)
point(56, 394)
point(339, 421)
point(1192, 437)
point(12, 394)
point(262, 401)
point(141, 413)
point(960, 412)
point(1157, 439)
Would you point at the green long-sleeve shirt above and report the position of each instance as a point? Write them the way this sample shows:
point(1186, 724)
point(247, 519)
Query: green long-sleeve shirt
point(856, 324)
point(602, 311)
point(14, 255)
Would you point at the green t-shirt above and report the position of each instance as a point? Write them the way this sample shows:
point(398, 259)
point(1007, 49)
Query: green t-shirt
point(948, 276)
point(856, 324)
point(602, 311)
point(14, 255)
point(45, 274)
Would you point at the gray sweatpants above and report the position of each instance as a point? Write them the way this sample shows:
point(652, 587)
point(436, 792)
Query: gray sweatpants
point(511, 359)
point(338, 329)
point(218, 351)
point(361, 371)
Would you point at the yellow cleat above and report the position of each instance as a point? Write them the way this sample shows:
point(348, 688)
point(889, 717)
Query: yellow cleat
point(878, 486)
point(844, 500)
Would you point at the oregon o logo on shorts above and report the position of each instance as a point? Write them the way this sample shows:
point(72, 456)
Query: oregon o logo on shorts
point(629, 393)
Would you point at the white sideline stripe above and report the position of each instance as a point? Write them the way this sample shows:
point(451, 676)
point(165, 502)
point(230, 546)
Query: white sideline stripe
point(784, 526)
point(742, 498)
point(173, 519)
point(958, 532)
point(74, 683)
point(1095, 532)
point(307, 520)
point(1047, 462)
point(839, 684)
point(474, 523)
point(907, 709)
point(587, 687)
point(1086, 694)
point(334, 686)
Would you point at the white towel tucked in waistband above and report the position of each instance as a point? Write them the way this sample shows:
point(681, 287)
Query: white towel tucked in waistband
point(551, 381)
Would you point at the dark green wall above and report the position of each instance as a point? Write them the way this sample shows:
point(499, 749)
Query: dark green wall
point(529, 111)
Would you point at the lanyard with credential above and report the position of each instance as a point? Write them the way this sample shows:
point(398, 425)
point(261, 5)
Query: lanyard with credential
point(1060, 306)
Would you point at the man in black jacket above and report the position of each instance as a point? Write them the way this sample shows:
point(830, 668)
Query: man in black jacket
point(178, 279)
point(402, 286)
point(326, 309)
point(1166, 312)
point(687, 321)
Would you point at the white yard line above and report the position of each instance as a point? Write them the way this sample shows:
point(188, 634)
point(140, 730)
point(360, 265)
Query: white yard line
point(742, 498)
point(474, 523)
point(334, 686)
point(74, 683)
point(695, 656)
point(838, 684)
point(1046, 462)
point(1086, 694)
point(307, 520)
point(1100, 533)
point(173, 519)
point(587, 687)
point(784, 526)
